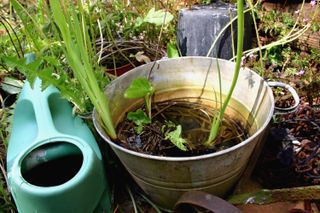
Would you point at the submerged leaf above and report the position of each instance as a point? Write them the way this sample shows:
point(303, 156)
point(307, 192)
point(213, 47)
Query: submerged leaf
point(176, 139)
point(139, 87)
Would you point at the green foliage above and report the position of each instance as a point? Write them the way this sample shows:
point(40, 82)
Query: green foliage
point(294, 66)
point(274, 55)
point(216, 122)
point(49, 70)
point(172, 51)
point(168, 125)
point(158, 17)
point(78, 51)
point(176, 138)
point(315, 27)
point(29, 70)
point(6, 205)
point(42, 38)
point(32, 28)
point(288, 20)
point(140, 119)
point(138, 20)
point(139, 88)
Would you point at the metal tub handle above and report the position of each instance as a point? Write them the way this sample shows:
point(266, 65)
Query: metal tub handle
point(279, 110)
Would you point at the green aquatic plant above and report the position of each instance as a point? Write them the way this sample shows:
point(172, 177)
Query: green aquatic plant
point(76, 39)
point(216, 123)
point(176, 138)
point(141, 88)
point(140, 119)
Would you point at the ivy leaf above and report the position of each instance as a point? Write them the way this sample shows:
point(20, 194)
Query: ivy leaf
point(157, 17)
point(139, 117)
point(168, 124)
point(176, 139)
point(139, 87)
point(172, 51)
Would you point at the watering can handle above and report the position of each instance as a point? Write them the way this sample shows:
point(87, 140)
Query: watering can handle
point(39, 100)
point(279, 110)
point(204, 200)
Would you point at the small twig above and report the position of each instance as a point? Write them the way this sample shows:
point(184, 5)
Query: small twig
point(257, 33)
point(101, 39)
point(4, 173)
point(232, 36)
point(159, 40)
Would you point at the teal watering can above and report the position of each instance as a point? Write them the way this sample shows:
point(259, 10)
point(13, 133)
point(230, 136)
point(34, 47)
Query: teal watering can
point(53, 161)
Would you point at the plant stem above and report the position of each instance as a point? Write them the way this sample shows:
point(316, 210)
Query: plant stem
point(257, 33)
point(217, 120)
point(132, 200)
point(148, 102)
point(11, 40)
point(14, 32)
point(232, 35)
point(113, 41)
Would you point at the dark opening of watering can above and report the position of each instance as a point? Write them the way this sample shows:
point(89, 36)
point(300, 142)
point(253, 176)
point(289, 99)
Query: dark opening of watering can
point(52, 164)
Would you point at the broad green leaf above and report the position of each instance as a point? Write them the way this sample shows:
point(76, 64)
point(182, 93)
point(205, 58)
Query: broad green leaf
point(139, 117)
point(176, 139)
point(139, 22)
point(172, 51)
point(139, 87)
point(157, 17)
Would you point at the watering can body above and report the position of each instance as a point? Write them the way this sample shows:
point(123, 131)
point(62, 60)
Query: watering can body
point(54, 163)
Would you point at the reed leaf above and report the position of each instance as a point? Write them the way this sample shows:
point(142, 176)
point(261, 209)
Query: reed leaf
point(75, 37)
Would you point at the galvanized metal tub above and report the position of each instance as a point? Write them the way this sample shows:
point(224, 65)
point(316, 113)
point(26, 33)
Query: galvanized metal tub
point(165, 179)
